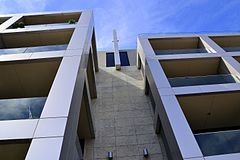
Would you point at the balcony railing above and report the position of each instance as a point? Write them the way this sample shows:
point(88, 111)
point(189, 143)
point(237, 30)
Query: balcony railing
point(180, 51)
point(48, 25)
point(44, 25)
point(202, 80)
point(216, 143)
point(33, 49)
point(232, 49)
point(21, 108)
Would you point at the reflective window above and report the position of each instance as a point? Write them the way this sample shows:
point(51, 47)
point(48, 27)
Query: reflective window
point(47, 25)
point(124, 59)
point(216, 143)
point(12, 50)
point(21, 108)
point(202, 80)
point(33, 49)
point(232, 49)
point(181, 51)
point(46, 48)
point(110, 62)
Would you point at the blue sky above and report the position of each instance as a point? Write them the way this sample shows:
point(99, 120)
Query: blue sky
point(133, 17)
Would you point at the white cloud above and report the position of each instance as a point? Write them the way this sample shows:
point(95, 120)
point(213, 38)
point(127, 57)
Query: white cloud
point(17, 6)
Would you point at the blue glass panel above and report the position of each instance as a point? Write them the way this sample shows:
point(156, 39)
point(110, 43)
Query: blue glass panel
point(234, 138)
point(232, 49)
point(12, 50)
point(202, 80)
point(216, 143)
point(46, 48)
point(21, 108)
point(48, 25)
point(181, 51)
point(34, 49)
point(124, 59)
point(110, 62)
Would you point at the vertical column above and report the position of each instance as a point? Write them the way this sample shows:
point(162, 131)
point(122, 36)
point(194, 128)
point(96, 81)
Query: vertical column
point(179, 135)
point(116, 51)
point(211, 45)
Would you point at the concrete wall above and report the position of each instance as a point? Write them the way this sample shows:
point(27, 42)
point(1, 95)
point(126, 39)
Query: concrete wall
point(131, 56)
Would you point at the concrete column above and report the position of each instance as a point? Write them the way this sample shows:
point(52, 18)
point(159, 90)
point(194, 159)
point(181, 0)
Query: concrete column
point(116, 51)
point(211, 45)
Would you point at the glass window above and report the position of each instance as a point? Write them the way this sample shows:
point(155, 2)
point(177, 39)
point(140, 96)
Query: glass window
point(124, 59)
point(232, 49)
point(216, 143)
point(202, 80)
point(46, 48)
point(34, 49)
point(21, 108)
point(110, 62)
point(180, 51)
point(12, 50)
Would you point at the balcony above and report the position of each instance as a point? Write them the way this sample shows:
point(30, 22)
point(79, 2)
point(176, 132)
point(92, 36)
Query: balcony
point(228, 43)
point(14, 149)
point(216, 143)
point(47, 20)
point(33, 49)
point(186, 45)
point(203, 80)
point(209, 116)
point(21, 108)
point(25, 86)
point(36, 41)
point(197, 71)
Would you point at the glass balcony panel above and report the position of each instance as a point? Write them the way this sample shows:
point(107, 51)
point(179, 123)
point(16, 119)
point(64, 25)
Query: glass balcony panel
point(234, 138)
point(34, 49)
point(232, 49)
point(219, 142)
point(202, 80)
point(47, 25)
point(46, 48)
point(12, 50)
point(180, 51)
point(21, 108)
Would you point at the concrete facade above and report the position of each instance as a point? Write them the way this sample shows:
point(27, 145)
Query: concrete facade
point(179, 98)
point(32, 57)
point(130, 52)
point(169, 64)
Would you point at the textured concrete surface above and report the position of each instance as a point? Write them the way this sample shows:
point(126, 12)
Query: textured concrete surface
point(123, 118)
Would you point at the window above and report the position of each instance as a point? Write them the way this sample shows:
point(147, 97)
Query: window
point(124, 59)
point(110, 62)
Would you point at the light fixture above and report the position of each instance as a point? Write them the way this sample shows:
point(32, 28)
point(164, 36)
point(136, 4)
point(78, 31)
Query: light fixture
point(110, 155)
point(145, 152)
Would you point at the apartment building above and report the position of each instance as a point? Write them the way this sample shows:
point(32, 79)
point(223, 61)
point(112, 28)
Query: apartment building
point(47, 65)
point(193, 82)
point(174, 97)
